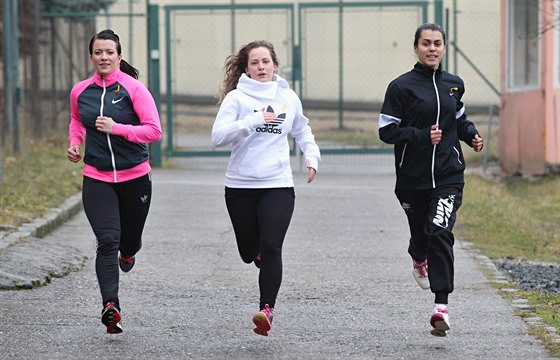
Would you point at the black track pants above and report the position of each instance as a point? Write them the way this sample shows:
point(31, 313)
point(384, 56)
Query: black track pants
point(117, 213)
point(431, 216)
point(260, 219)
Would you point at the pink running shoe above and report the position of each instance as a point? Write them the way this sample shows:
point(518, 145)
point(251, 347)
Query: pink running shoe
point(440, 322)
point(263, 321)
point(420, 273)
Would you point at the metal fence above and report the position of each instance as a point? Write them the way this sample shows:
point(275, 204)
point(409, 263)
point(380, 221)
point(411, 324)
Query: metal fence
point(338, 56)
point(328, 66)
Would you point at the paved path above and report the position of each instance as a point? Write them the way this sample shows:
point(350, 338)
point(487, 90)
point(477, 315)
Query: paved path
point(347, 292)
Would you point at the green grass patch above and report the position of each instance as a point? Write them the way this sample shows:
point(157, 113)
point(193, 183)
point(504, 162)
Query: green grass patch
point(516, 218)
point(547, 307)
point(38, 179)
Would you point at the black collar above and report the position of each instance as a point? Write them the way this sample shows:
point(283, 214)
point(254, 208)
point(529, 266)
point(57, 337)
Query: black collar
point(425, 70)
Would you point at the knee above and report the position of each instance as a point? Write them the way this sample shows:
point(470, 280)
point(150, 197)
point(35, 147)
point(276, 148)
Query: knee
point(271, 251)
point(107, 243)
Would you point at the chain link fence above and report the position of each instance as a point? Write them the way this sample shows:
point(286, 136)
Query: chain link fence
point(51, 56)
point(338, 56)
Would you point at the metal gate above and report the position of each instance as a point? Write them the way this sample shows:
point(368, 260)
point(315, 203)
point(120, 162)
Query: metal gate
point(339, 58)
point(198, 40)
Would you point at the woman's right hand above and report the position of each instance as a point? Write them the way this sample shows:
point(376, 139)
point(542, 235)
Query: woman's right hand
point(268, 116)
point(73, 153)
point(435, 134)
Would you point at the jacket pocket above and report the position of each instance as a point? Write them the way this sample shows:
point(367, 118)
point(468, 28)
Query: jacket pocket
point(262, 165)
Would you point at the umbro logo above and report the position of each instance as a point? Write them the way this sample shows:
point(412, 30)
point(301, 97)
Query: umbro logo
point(114, 101)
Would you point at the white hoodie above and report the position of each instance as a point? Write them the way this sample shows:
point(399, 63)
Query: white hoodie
point(260, 156)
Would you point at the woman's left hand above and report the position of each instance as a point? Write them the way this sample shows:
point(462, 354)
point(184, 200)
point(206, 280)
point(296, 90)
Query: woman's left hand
point(477, 143)
point(312, 172)
point(104, 124)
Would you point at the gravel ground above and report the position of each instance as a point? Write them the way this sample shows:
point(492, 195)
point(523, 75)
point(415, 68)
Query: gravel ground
point(532, 277)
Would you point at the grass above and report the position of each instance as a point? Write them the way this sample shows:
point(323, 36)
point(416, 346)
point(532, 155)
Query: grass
point(513, 217)
point(38, 179)
point(547, 307)
point(516, 218)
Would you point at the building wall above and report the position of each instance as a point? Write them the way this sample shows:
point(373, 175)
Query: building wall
point(529, 130)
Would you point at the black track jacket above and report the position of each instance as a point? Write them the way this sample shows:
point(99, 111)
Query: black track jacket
point(413, 103)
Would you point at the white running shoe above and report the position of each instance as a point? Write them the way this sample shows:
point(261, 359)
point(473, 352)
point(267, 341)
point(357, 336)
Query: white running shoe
point(420, 273)
point(440, 322)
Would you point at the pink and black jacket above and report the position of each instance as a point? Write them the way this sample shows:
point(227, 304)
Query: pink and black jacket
point(122, 155)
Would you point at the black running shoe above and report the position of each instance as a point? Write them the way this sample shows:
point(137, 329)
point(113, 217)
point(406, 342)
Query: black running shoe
point(126, 263)
point(111, 317)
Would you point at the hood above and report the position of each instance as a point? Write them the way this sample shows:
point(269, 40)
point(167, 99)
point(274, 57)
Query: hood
point(266, 90)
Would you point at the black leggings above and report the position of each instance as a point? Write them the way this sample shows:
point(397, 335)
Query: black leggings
point(431, 216)
point(260, 219)
point(117, 213)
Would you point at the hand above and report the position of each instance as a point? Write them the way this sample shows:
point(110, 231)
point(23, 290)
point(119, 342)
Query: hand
point(312, 172)
point(104, 124)
point(73, 153)
point(435, 134)
point(268, 116)
point(477, 143)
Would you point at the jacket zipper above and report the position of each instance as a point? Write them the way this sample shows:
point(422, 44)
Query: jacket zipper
point(437, 123)
point(108, 136)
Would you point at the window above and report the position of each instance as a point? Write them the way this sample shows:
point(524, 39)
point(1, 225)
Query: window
point(523, 44)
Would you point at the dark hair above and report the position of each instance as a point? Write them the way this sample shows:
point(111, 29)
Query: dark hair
point(235, 65)
point(110, 35)
point(428, 26)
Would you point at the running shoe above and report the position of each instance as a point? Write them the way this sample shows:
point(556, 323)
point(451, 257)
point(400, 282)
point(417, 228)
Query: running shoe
point(440, 322)
point(263, 321)
point(126, 263)
point(111, 317)
point(420, 273)
point(257, 261)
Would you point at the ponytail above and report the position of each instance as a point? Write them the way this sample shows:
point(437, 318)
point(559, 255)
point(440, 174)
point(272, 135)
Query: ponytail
point(129, 69)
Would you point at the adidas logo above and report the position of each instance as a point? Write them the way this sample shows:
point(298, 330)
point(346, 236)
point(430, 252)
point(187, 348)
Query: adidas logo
point(272, 127)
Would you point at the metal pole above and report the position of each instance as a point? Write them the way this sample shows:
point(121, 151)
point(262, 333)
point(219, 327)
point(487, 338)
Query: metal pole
point(15, 74)
point(36, 88)
point(455, 66)
point(153, 72)
point(233, 46)
point(130, 33)
point(8, 69)
point(340, 66)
